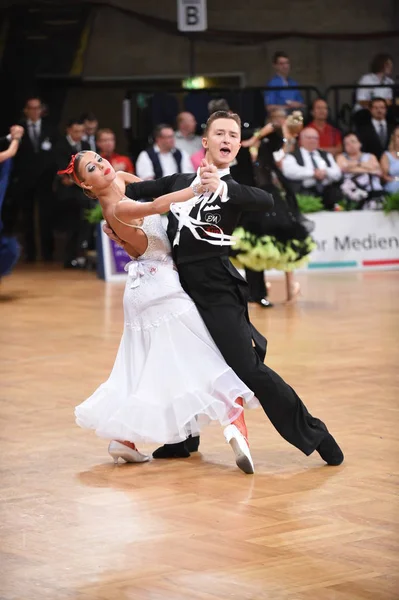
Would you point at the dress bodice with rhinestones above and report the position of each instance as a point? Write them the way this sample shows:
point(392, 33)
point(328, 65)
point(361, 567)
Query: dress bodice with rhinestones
point(158, 248)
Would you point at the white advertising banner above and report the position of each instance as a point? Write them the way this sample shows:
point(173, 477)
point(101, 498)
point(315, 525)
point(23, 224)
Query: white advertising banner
point(355, 240)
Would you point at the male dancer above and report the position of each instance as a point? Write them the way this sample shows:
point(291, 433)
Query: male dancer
point(200, 238)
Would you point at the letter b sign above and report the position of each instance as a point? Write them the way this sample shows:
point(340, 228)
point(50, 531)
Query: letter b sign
point(191, 15)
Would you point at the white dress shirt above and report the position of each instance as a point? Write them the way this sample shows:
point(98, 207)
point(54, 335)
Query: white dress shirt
point(145, 170)
point(367, 94)
point(38, 128)
point(190, 144)
point(77, 145)
point(292, 170)
point(91, 140)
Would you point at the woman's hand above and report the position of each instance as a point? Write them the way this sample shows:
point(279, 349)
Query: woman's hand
point(16, 132)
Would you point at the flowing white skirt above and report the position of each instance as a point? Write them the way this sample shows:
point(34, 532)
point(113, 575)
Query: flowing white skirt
point(169, 378)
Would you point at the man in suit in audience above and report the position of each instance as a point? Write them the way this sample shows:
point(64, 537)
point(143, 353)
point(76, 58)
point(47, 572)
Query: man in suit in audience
point(312, 171)
point(375, 134)
point(90, 126)
point(71, 199)
point(32, 179)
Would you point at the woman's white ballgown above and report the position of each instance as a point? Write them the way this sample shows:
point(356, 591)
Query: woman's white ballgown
point(169, 378)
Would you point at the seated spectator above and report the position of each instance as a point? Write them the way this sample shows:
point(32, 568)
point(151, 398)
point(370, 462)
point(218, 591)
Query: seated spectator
point(390, 164)
point(312, 171)
point(287, 99)
point(375, 133)
point(185, 135)
point(361, 171)
point(163, 158)
point(380, 71)
point(106, 145)
point(330, 137)
point(90, 125)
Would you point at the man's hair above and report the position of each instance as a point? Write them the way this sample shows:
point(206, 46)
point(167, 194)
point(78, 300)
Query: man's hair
point(180, 117)
point(217, 104)
point(32, 97)
point(158, 129)
point(377, 99)
point(221, 114)
point(88, 116)
point(100, 132)
point(318, 100)
point(378, 63)
point(278, 55)
point(74, 121)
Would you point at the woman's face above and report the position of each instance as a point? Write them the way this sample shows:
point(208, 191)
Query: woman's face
point(277, 118)
point(352, 144)
point(95, 172)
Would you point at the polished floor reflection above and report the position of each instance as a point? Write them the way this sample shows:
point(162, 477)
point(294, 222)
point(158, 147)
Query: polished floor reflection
point(73, 526)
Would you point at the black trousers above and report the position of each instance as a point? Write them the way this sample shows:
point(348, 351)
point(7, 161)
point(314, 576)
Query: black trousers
point(256, 284)
point(26, 199)
point(71, 219)
point(220, 294)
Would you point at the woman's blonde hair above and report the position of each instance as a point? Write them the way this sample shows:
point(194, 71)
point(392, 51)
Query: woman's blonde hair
point(391, 146)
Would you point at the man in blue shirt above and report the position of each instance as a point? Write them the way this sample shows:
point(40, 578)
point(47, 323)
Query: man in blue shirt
point(287, 99)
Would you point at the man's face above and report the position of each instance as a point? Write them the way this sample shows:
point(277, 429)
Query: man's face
point(388, 67)
point(222, 142)
point(33, 109)
point(76, 132)
point(187, 124)
point(90, 127)
point(106, 143)
point(378, 110)
point(320, 110)
point(282, 66)
point(166, 139)
point(310, 139)
point(352, 144)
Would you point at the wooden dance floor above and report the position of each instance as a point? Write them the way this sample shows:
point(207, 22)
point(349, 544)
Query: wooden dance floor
point(73, 526)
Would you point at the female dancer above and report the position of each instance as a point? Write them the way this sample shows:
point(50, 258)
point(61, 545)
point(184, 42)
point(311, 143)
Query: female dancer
point(169, 378)
point(280, 240)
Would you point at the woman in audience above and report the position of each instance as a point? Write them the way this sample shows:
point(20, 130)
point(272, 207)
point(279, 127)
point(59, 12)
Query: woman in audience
point(390, 164)
point(362, 172)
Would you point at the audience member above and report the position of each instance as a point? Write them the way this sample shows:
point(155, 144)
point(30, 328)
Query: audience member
point(380, 70)
point(106, 143)
point(375, 133)
point(185, 135)
point(361, 171)
point(163, 158)
point(288, 99)
point(313, 171)
point(33, 175)
point(72, 200)
point(390, 164)
point(90, 126)
point(330, 137)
